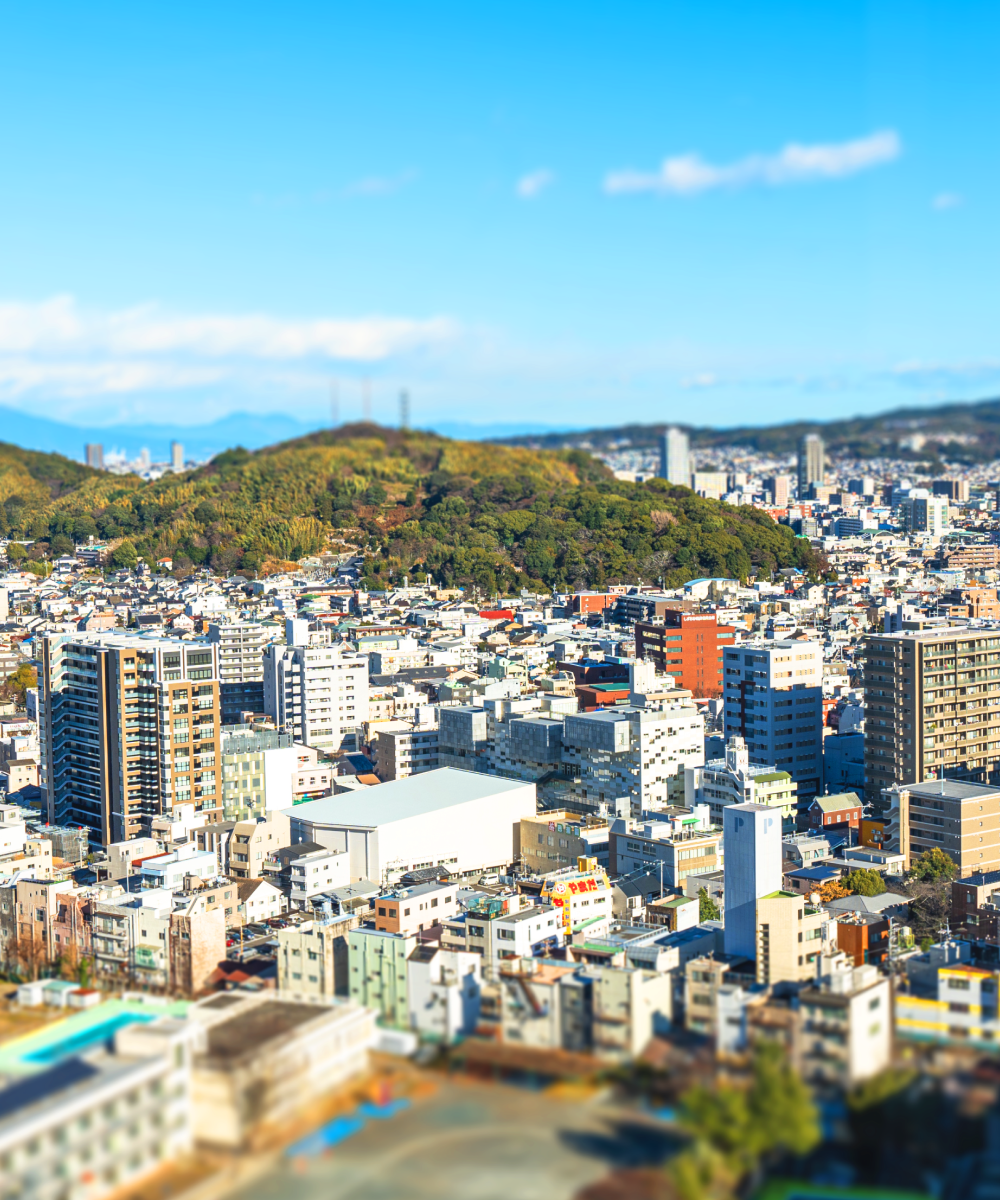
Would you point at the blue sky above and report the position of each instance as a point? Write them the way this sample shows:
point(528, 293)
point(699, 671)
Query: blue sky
point(542, 215)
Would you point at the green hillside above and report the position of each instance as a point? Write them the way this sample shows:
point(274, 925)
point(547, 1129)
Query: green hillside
point(467, 513)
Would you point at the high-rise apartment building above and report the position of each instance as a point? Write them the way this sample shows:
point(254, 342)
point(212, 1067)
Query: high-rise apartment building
point(258, 768)
point(812, 463)
point(774, 701)
point(176, 456)
point(241, 667)
point(688, 646)
point(95, 455)
point(316, 691)
point(128, 728)
point(675, 457)
point(932, 699)
point(751, 851)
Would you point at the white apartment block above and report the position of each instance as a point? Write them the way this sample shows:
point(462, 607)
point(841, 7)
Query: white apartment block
point(773, 694)
point(632, 760)
point(405, 751)
point(316, 691)
point(241, 666)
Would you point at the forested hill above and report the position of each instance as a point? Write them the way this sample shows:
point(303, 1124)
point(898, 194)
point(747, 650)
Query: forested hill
point(467, 513)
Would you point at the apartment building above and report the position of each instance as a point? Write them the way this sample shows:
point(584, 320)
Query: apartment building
point(962, 819)
point(557, 839)
point(790, 935)
point(129, 727)
point(377, 972)
point(242, 847)
point(258, 772)
point(732, 780)
point(774, 701)
point(406, 750)
point(313, 957)
point(932, 699)
point(409, 910)
point(241, 667)
point(316, 691)
point(688, 646)
point(501, 928)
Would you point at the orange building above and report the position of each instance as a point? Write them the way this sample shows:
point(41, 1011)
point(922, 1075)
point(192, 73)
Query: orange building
point(863, 937)
point(688, 646)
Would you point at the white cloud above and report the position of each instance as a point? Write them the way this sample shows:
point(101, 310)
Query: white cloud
point(689, 174)
point(946, 200)
point(533, 184)
point(59, 326)
point(704, 379)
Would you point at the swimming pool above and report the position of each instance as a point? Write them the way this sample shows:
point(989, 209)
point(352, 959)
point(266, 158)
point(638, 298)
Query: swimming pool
point(86, 1039)
point(78, 1033)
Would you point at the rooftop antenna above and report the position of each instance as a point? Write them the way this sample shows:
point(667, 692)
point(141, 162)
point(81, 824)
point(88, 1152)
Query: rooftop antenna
point(334, 405)
point(366, 401)
point(404, 410)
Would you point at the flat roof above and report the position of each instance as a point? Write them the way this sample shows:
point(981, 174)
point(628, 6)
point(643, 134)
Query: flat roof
point(414, 796)
point(950, 789)
point(246, 1032)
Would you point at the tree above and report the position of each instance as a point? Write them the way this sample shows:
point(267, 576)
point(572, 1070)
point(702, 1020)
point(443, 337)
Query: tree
point(124, 556)
point(16, 552)
point(60, 545)
point(18, 682)
point(376, 494)
point(934, 865)
point(865, 881)
point(746, 1127)
point(708, 910)
point(833, 889)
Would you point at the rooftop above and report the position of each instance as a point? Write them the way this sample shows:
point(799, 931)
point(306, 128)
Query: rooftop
point(950, 789)
point(399, 799)
point(247, 1031)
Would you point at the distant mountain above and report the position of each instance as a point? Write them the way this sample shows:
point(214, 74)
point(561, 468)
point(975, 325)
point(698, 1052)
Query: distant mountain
point(199, 441)
point(959, 432)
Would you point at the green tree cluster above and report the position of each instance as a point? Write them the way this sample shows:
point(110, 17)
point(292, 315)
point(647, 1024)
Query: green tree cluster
point(933, 866)
point(865, 881)
point(708, 910)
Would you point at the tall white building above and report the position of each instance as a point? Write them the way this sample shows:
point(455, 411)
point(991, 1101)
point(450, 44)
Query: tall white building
point(316, 691)
point(773, 695)
point(811, 463)
point(751, 852)
point(921, 512)
point(675, 457)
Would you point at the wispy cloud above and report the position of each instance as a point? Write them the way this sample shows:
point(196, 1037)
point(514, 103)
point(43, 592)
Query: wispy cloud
point(380, 185)
point(533, 184)
point(689, 174)
point(59, 326)
point(946, 200)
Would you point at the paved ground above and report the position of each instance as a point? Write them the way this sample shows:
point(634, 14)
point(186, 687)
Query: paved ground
point(470, 1141)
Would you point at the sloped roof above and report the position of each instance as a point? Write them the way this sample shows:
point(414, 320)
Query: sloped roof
point(838, 802)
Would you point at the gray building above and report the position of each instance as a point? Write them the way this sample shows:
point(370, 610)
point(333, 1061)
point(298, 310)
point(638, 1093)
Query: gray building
point(675, 457)
point(752, 855)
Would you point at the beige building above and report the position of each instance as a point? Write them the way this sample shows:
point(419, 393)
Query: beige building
point(789, 938)
point(554, 840)
point(242, 847)
point(703, 977)
point(629, 1006)
point(962, 819)
point(313, 957)
point(933, 707)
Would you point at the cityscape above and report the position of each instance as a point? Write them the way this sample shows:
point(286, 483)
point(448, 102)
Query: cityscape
point(499, 603)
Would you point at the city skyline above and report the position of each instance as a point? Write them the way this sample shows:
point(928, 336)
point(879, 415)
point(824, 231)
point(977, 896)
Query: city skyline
point(773, 212)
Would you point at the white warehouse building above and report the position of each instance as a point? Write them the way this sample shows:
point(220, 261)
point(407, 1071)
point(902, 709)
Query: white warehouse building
point(462, 820)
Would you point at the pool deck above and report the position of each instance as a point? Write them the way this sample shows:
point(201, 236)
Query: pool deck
point(16, 1054)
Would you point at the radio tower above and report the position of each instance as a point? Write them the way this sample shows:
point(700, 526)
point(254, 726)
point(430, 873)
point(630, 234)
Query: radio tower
point(366, 401)
point(404, 410)
point(334, 405)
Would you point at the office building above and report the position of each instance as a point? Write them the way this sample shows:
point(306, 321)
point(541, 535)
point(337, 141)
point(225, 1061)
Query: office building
point(316, 691)
point(688, 646)
point(176, 456)
point(95, 455)
point(932, 699)
point(241, 668)
point(675, 457)
point(129, 727)
point(811, 463)
point(921, 513)
point(671, 850)
point(962, 819)
point(778, 486)
point(467, 822)
point(953, 489)
point(864, 485)
point(774, 701)
point(631, 760)
point(752, 854)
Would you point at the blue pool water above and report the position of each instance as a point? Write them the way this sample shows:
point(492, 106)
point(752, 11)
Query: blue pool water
point(86, 1039)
